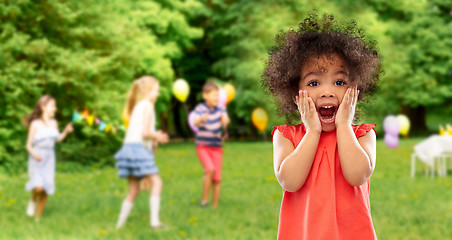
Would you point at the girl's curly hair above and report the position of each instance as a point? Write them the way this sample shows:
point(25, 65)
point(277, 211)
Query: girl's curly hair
point(317, 37)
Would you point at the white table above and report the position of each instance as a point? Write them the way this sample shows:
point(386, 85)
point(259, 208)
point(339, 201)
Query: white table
point(433, 151)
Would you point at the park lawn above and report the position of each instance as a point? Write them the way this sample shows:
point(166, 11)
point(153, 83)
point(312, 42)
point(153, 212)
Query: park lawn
point(87, 203)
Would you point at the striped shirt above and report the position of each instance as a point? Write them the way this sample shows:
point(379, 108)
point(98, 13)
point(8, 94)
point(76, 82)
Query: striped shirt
point(209, 132)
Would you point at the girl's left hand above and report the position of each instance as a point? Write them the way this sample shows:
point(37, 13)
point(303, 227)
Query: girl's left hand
point(69, 128)
point(346, 111)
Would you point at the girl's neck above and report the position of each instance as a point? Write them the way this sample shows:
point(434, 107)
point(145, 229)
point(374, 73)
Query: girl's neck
point(148, 99)
point(45, 119)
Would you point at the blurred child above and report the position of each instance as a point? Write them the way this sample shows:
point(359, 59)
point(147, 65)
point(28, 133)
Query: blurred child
point(42, 134)
point(323, 164)
point(210, 119)
point(135, 159)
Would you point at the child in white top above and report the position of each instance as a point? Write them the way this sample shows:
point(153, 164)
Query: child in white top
point(135, 159)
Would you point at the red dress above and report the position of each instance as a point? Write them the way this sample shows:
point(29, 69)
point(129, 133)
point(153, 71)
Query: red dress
point(326, 206)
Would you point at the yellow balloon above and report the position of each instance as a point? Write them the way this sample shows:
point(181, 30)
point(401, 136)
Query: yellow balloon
point(230, 92)
point(404, 124)
point(181, 90)
point(259, 118)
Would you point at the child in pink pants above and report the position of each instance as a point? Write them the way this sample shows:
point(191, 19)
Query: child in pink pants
point(210, 119)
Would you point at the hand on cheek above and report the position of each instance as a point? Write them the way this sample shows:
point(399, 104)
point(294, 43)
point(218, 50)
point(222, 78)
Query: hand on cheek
point(346, 111)
point(308, 112)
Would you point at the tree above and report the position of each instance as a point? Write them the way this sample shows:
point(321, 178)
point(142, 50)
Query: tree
point(85, 54)
point(420, 73)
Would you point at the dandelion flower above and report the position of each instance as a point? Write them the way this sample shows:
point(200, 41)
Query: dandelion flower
point(182, 233)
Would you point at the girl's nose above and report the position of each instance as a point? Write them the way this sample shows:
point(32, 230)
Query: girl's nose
point(328, 92)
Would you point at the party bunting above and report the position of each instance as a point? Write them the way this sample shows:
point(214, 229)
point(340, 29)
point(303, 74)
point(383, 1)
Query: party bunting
point(91, 119)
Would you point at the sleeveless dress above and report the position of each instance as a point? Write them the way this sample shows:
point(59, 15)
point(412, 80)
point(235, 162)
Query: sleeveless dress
point(136, 156)
point(42, 174)
point(326, 206)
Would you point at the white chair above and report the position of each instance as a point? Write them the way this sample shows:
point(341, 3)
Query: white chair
point(439, 161)
point(433, 152)
point(444, 157)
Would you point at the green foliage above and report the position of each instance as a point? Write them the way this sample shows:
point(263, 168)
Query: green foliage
point(85, 54)
point(418, 61)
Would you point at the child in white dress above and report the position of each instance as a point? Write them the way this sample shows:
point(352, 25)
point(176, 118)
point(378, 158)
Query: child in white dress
point(43, 133)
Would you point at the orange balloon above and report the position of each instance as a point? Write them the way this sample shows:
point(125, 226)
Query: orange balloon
point(259, 118)
point(230, 92)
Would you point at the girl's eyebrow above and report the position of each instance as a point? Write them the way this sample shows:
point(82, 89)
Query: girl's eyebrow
point(308, 74)
point(342, 72)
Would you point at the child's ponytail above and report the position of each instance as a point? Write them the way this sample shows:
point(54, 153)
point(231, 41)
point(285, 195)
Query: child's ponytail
point(139, 87)
point(131, 99)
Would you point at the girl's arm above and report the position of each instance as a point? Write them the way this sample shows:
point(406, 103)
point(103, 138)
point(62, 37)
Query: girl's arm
point(292, 165)
point(29, 144)
point(67, 129)
point(158, 136)
point(357, 156)
point(225, 120)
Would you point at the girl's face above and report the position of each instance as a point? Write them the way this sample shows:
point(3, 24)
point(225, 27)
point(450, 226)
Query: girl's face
point(326, 80)
point(49, 109)
point(154, 93)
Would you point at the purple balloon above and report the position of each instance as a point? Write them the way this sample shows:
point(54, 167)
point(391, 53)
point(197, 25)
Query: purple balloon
point(391, 125)
point(191, 122)
point(223, 98)
point(391, 141)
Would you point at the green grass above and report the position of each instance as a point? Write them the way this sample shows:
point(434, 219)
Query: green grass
point(87, 203)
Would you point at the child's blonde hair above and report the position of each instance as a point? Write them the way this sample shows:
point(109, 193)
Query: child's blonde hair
point(139, 89)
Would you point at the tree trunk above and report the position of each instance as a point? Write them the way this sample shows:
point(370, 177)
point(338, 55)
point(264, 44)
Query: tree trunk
point(417, 116)
point(180, 121)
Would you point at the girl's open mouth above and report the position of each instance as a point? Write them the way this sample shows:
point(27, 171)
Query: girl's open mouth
point(327, 113)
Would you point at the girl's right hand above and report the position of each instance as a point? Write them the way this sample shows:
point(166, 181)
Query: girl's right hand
point(37, 158)
point(69, 128)
point(308, 112)
point(161, 137)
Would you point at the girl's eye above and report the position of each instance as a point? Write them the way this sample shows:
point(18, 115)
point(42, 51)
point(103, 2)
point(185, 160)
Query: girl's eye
point(313, 83)
point(340, 83)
